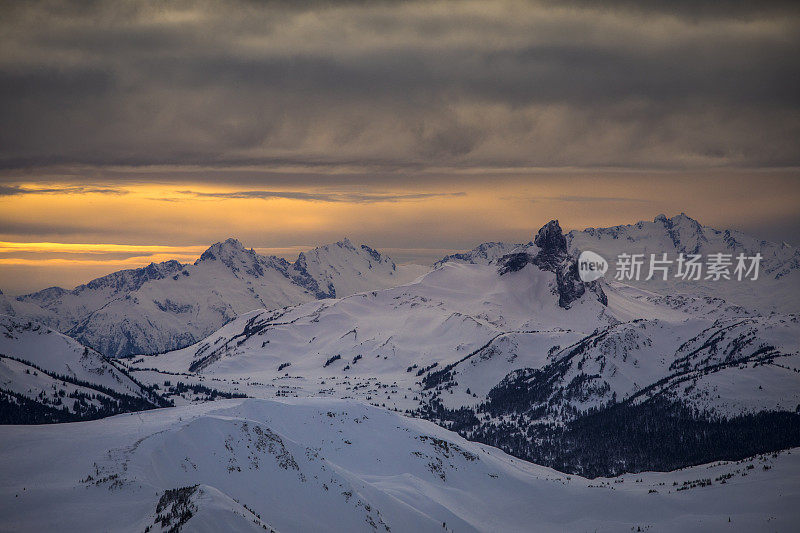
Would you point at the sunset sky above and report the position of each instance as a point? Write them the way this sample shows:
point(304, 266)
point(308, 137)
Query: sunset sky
point(133, 132)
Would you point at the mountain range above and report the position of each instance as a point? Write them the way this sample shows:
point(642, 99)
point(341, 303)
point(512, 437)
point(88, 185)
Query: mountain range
point(518, 353)
point(48, 377)
point(168, 305)
point(345, 359)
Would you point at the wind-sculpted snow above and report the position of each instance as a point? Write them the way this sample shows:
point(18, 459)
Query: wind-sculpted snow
point(329, 465)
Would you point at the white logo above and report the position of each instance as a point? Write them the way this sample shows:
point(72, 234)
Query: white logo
point(591, 266)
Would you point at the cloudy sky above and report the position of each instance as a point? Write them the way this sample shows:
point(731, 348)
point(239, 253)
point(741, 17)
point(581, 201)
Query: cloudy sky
point(137, 131)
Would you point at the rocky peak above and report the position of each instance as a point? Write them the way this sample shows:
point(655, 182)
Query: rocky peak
point(551, 240)
point(132, 279)
point(552, 251)
point(552, 246)
point(224, 250)
point(685, 232)
point(236, 257)
point(345, 243)
point(554, 257)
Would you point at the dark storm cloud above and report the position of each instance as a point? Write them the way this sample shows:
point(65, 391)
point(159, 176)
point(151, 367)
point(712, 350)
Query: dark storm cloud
point(695, 9)
point(17, 190)
point(399, 85)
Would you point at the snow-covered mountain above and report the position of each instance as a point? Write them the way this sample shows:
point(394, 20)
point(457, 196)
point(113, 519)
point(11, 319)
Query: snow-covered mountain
point(779, 277)
point(428, 321)
point(169, 305)
point(504, 352)
point(48, 377)
point(332, 465)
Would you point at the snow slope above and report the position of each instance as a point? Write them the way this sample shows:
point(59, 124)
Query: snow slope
point(482, 327)
point(328, 465)
point(465, 327)
point(438, 319)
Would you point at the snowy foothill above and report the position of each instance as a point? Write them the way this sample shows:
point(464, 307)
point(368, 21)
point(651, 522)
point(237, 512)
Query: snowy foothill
point(333, 465)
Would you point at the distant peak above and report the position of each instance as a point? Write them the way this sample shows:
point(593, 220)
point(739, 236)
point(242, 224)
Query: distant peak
point(231, 244)
point(677, 219)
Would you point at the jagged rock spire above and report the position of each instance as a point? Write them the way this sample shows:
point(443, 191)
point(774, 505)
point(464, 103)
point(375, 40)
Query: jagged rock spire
point(553, 256)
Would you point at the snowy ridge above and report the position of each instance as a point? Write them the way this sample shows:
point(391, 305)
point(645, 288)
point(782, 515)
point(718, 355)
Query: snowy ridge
point(503, 347)
point(483, 254)
point(46, 377)
point(776, 290)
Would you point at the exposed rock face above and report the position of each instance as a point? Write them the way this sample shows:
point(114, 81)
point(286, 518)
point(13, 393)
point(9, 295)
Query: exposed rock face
point(513, 262)
point(570, 286)
point(302, 277)
point(553, 256)
point(552, 246)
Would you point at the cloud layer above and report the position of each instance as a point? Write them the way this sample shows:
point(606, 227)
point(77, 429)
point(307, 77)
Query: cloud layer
point(417, 127)
point(400, 84)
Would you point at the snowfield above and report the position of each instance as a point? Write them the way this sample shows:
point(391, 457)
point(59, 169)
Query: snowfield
point(333, 465)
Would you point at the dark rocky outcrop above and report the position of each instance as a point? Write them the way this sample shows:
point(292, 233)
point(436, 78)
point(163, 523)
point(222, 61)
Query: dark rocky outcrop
point(553, 256)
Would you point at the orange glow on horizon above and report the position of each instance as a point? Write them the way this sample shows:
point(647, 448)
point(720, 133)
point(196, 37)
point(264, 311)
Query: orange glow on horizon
point(65, 235)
